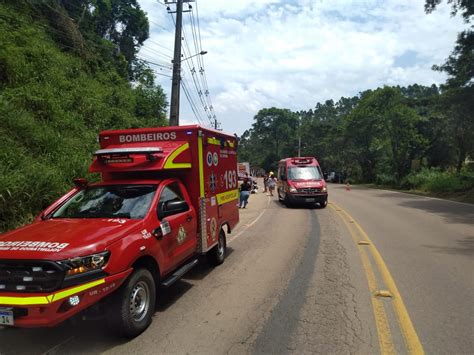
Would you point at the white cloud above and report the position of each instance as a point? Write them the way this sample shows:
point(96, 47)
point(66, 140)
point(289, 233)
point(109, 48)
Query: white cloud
point(296, 53)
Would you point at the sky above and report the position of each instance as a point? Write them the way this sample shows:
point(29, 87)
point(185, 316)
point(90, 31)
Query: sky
point(295, 53)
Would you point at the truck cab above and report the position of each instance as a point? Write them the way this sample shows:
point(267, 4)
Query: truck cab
point(301, 181)
point(166, 197)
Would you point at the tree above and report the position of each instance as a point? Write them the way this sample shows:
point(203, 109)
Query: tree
point(383, 134)
point(460, 64)
point(123, 23)
point(272, 137)
point(458, 105)
point(458, 92)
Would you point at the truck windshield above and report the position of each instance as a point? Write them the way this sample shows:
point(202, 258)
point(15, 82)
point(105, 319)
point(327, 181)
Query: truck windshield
point(304, 173)
point(114, 201)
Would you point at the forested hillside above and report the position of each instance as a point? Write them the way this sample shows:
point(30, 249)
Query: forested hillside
point(389, 136)
point(68, 69)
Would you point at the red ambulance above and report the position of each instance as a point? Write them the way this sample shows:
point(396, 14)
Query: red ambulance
point(300, 181)
point(166, 196)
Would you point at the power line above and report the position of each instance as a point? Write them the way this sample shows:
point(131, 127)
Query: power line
point(155, 52)
point(196, 69)
point(191, 102)
point(148, 60)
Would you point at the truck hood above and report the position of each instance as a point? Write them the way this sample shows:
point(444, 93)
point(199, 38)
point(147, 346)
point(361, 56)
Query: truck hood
point(58, 239)
point(301, 184)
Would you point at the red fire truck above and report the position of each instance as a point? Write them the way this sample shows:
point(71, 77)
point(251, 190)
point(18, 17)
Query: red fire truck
point(300, 180)
point(166, 196)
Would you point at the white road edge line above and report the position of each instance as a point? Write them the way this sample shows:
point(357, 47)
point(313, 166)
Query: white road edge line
point(248, 225)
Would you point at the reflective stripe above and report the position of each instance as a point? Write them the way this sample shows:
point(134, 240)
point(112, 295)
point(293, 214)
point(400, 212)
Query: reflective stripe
point(23, 301)
point(169, 164)
point(227, 196)
point(63, 294)
point(213, 141)
point(201, 167)
point(39, 300)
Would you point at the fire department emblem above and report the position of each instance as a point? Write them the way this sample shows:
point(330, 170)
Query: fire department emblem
point(181, 234)
point(212, 182)
point(213, 229)
point(209, 159)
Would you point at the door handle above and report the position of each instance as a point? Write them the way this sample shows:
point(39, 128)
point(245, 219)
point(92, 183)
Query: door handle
point(157, 233)
point(189, 218)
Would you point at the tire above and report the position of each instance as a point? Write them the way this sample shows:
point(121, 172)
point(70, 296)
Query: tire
point(131, 308)
point(216, 255)
point(287, 202)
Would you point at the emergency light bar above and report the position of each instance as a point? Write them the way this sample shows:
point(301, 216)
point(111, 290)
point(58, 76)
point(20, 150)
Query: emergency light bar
point(302, 161)
point(122, 155)
point(145, 150)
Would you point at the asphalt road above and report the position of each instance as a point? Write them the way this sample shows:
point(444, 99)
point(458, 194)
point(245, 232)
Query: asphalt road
point(294, 282)
point(428, 245)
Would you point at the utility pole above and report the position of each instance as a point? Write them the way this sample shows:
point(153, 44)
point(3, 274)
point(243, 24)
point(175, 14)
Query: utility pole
point(176, 81)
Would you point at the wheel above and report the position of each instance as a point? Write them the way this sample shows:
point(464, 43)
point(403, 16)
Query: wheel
point(131, 308)
point(216, 255)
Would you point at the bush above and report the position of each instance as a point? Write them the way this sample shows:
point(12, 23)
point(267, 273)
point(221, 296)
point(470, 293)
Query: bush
point(386, 180)
point(436, 180)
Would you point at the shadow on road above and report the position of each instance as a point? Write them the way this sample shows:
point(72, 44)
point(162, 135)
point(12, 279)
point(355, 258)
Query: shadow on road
point(451, 212)
point(464, 247)
point(280, 204)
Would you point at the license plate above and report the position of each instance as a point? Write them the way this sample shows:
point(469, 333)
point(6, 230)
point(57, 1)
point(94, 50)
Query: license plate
point(310, 200)
point(6, 317)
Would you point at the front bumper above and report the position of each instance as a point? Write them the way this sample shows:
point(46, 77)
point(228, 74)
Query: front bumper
point(306, 198)
point(47, 310)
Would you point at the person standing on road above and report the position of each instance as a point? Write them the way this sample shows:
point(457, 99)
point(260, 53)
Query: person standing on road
point(245, 188)
point(271, 183)
point(265, 183)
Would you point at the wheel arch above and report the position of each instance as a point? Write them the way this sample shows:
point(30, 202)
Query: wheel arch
point(227, 226)
point(148, 262)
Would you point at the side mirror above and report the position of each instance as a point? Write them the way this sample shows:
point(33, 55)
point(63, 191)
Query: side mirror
point(172, 207)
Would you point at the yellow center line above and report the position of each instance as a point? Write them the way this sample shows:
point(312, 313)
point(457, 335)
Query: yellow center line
point(381, 321)
point(408, 330)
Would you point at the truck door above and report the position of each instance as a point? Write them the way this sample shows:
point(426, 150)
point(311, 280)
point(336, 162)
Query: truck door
point(178, 215)
point(282, 181)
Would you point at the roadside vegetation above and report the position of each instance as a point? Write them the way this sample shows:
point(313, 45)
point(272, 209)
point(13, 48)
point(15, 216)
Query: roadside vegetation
point(414, 138)
point(66, 73)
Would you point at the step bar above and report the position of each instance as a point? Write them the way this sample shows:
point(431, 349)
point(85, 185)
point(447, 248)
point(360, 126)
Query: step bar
point(179, 273)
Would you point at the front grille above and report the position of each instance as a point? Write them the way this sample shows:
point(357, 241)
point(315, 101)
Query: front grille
point(309, 190)
point(30, 276)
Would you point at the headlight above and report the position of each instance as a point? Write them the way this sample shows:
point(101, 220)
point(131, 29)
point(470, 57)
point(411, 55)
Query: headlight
point(324, 189)
point(83, 264)
point(292, 189)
